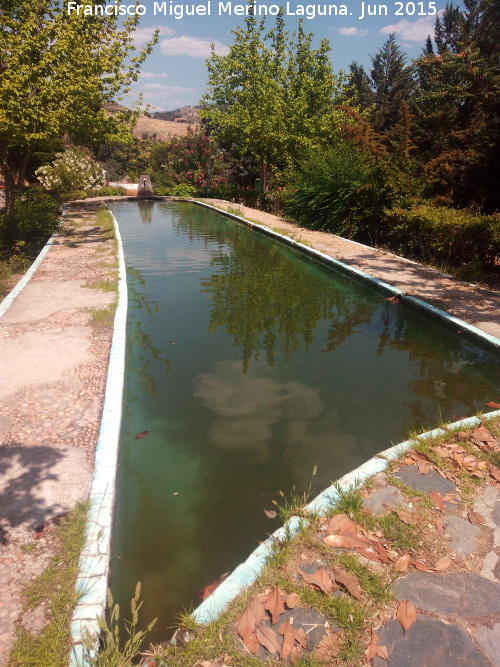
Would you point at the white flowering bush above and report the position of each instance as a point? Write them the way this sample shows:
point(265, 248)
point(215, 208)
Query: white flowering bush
point(75, 169)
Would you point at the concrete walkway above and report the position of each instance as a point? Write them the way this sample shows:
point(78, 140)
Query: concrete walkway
point(53, 364)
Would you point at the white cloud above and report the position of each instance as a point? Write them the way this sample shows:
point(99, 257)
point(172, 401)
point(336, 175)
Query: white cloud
point(168, 90)
point(191, 46)
point(153, 75)
point(412, 31)
point(354, 32)
point(143, 35)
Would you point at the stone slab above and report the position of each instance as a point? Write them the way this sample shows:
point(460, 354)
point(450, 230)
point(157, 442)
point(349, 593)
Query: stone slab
point(463, 535)
point(433, 481)
point(428, 643)
point(384, 500)
point(489, 642)
point(461, 595)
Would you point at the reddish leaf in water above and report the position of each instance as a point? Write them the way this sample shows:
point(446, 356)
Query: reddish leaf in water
point(274, 604)
point(292, 600)
point(268, 639)
point(401, 563)
point(372, 649)
point(328, 648)
point(492, 404)
point(207, 590)
point(321, 579)
point(437, 499)
point(288, 633)
point(443, 564)
point(344, 578)
point(475, 517)
point(142, 434)
point(407, 614)
point(271, 514)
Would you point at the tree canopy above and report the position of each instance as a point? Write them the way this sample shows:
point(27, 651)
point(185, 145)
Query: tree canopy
point(57, 70)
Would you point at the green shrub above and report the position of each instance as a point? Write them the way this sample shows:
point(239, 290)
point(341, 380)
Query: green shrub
point(184, 190)
point(34, 216)
point(342, 191)
point(447, 236)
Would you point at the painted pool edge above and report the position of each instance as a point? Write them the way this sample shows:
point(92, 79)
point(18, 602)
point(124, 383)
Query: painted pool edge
point(93, 567)
point(458, 325)
point(247, 572)
point(6, 303)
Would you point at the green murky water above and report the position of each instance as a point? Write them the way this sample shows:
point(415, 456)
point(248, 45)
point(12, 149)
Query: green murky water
point(250, 364)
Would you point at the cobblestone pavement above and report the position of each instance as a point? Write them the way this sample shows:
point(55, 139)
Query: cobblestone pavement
point(53, 367)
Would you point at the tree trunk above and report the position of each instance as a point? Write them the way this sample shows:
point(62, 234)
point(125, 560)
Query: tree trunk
point(22, 169)
point(263, 176)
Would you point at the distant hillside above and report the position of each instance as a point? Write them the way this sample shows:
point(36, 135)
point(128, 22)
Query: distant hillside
point(185, 114)
point(157, 128)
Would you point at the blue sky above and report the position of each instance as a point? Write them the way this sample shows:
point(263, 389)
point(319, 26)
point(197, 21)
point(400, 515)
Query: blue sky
point(175, 73)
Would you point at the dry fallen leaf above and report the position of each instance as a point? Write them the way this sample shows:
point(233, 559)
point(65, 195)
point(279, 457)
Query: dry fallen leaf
point(421, 566)
point(274, 604)
point(321, 579)
point(443, 564)
point(343, 577)
point(371, 651)
point(475, 517)
point(439, 526)
point(401, 563)
point(288, 633)
point(292, 600)
point(328, 648)
point(437, 499)
point(340, 523)
point(482, 434)
point(383, 653)
point(407, 614)
point(268, 639)
point(247, 622)
point(301, 637)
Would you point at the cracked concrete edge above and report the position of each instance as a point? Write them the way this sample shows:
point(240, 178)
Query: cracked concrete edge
point(6, 303)
point(247, 572)
point(455, 323)
point(92, 581)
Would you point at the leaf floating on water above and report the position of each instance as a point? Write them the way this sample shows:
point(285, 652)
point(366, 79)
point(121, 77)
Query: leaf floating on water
point(142, 434)
point(207, 590)
point(407, 614)
point(492, 404)
point(268, 639)
point(274, 604)
point(271, 514)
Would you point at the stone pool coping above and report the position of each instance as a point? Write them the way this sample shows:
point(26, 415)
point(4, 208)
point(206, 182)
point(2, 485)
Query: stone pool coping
point(92, 582)
point(247, 572)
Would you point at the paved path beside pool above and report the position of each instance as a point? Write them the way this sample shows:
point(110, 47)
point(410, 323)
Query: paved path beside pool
point(53, 365)
point(468, 302)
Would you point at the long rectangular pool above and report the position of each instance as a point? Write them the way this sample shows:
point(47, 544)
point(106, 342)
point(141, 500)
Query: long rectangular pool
point(249, 364)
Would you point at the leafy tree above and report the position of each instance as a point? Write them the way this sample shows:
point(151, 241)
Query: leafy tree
point(392, 82)
point(57, 69)
point(360, 92)
point(269, 95)
point(458, 106)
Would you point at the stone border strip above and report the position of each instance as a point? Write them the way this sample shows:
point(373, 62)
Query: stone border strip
point(458, 325)
point(246, 573)
point(14, 293)
point(92, 582)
